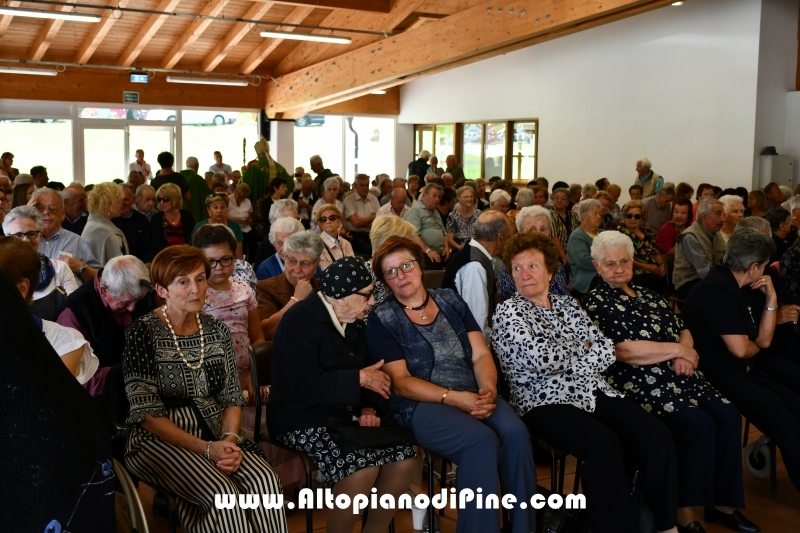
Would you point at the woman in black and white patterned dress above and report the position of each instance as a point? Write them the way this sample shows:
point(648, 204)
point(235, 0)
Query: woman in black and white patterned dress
point(186, 405)
point(553, 358)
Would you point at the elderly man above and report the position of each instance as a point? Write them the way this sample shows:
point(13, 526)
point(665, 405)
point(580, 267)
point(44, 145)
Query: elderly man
point(650, 181)
point(419, 167)
point(285, 207)
point(60, 243)
point(470, 272)
point(141, 166)
point(360, 209)
point(305, 198)
point(135, 178)
point(700, 247)
point(40, 178)
point(454, 169)
point(198, 188)
point(385, 185)
point(397, 205)
point(447, 178)
point(431, 234)
point(262, 171)
point(434, 167)
point(101, 310)
point(299, 174)
point(75, 202)
point(500, 201)
point(135, 226)
point(145, 200)
point(397, 182)
point(167, 175)
point(658, 208)
point(321, 172)
point(774, 195)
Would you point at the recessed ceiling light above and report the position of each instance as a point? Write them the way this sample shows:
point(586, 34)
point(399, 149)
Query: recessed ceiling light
point(33, 71)
point(679, 3)
point(306, 37)
point(208, 81)
point(41, 14)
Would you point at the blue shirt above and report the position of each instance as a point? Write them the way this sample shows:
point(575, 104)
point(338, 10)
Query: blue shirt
point(273, 266)
point(67, 241)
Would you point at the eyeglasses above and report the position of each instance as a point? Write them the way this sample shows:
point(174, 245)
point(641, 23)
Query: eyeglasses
point(47, 208)
point(633, 216)
point(224, 261)
point(406, 267)
point(559, 198)
point(26, 235)
point(292, 262)
point(163, 199)
point(367, 295)
point(4, 200)
point(332, 218)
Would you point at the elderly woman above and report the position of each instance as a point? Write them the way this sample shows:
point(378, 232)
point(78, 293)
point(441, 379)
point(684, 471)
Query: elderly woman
point(240, 210)
point(648, 265)
point(461, 222)
point(552, 357)
point(444, 385)
point(582, 273)
point(667, 236)
point(277, 295)
point(217, 207)
point(56, 280)
point(320, 375)
point(564, 221)
point(105, 240)
point(330, 190)
point(535, 219)
point(728, 331)
point(655, 368)
point(734, 212)
point(329, 220)
point(171, 225)
point(523, 198)
point(279, 230)
point(186, 405)
point(23, 190)
point(756, 203)
point(22, 264)
point(500, 200)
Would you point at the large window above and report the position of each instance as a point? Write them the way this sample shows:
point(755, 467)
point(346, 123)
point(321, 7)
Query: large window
point(503, 148)
point(35, 142)
point(231, 133)
point(322, 136)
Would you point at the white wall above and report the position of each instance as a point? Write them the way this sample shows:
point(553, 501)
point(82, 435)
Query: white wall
point(677, 85)
point(791, 144)
point(777, 65)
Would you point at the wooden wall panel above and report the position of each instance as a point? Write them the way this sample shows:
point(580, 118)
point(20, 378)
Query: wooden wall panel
point(370, 104)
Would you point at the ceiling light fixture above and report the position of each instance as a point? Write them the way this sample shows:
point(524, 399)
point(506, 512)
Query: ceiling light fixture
point(380, 91)
point(33, 71)
point(53, 15)
point(208, 81)
point(679, 3)
point(306, 37)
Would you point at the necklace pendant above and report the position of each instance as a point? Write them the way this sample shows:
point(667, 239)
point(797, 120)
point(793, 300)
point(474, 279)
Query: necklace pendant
point(423, 316)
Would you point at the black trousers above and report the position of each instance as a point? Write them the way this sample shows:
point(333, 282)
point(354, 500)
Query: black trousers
point(618, 428)
point(708, 446)
point(772, 408)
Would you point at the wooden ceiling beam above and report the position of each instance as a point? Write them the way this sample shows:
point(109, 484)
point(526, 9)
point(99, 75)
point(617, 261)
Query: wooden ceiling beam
point(145, 33)
point(192, 33)
point(47, 34)
point(98, 33)
point(263, 51)
point(375, 6)
point(499, 24)
point(311, 53)
point(256, 11)
point(5, 20)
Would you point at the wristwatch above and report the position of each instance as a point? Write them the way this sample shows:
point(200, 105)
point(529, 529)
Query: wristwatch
point(81, 270)
point(231, 434)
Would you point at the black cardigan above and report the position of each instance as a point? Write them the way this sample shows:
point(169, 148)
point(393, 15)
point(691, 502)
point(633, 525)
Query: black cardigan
point(160, 233)
point(315, 371)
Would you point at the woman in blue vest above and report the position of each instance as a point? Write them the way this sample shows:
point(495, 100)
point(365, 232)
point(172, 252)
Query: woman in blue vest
point(444, 386)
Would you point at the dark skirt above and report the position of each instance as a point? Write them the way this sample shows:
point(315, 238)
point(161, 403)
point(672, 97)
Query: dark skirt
point(336, 464)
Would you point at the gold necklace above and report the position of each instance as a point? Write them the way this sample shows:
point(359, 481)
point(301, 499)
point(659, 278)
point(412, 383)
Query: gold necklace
point(178, 346)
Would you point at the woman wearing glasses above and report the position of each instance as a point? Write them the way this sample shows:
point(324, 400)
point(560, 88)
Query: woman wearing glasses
point(444, 385)
point(648, 265)
point(217, 207)
point(171, 225)
point(228, 300)
point(329, 220)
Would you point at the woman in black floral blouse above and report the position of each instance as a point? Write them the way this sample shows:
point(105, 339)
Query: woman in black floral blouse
point(655, 367)
point(648, 265)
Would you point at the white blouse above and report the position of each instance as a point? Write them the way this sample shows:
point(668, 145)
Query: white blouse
point(243, 210)
point(65, 340)
point(63, 278)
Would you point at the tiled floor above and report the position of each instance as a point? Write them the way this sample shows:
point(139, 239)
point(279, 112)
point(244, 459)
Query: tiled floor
point(774, 512)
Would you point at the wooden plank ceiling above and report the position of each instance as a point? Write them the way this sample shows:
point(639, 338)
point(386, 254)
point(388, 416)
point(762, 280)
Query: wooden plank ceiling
point(429, 36)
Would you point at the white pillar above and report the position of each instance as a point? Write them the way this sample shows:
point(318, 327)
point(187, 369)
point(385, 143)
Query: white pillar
point(281, 146)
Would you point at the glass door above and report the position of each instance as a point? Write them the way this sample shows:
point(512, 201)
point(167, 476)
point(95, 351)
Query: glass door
point(152, 140)
point(104, 153)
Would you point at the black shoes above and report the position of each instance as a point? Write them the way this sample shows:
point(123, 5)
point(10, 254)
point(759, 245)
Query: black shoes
point(693, 527)
point(735, 521)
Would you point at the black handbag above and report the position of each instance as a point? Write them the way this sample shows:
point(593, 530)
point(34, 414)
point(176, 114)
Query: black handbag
point(349, 436)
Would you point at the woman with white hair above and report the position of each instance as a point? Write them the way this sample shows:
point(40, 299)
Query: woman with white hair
point(524, 198)
point(499, 200)
point(330, 190)
point(655, 368)
point(734, 212)
point(582, 272)
point(535, 219)
point(279, 231)
point(105, 240)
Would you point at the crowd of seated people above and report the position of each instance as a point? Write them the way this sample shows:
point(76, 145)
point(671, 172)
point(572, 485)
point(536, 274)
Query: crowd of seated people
point(552, 321)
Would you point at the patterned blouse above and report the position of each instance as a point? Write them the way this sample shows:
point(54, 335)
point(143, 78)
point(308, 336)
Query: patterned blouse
point(559, 285)
point(232, 308)
point(461, 227)
point(243, 271)
point(656, 388)
point(559, 229)
point(380, 292)
point(544, 354)
point(644, 250)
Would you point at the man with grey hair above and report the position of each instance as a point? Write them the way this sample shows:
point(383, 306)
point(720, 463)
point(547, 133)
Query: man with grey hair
point(700, 247)
point(75, 203)
point(198, 188)
point(60, 243)
point(145, 200)
point(385, 185)
point(470, 271)
point(454, 169)
point(431, 234)
point(321, 172)
point(101, 310)
point(306, 198)
point(419, 167)
point(658, 208)
point(649, 181)
point(397, 205)
point(360, 209)
point(447, 178)
point(135, 226)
